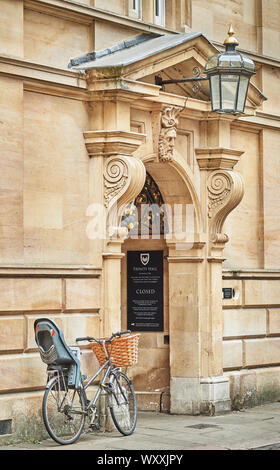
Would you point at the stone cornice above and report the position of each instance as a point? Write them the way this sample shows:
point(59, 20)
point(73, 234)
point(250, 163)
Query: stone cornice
point(56, 81)
point(26, 68)
point(214, 158)
point(112, 142)
point(86, 14)
point(121, 89)
point(42, 78)
point(45, 79)
point(260, 121)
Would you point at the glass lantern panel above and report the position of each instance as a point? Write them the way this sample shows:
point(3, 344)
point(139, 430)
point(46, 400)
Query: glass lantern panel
point(248, 64)
point(229, 86)
point(242, 93)
point(215, 91)
point(212, 62)
point(230, 61)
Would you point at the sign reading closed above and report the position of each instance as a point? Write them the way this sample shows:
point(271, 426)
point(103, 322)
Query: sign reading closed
point(145, 290)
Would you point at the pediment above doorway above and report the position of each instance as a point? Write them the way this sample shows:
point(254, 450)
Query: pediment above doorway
point(131, 66)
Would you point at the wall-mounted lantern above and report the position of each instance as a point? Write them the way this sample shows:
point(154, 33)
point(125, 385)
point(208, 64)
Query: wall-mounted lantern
point(229, 74)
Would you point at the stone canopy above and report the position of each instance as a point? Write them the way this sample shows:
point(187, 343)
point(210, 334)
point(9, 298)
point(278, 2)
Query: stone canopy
point(171, 56)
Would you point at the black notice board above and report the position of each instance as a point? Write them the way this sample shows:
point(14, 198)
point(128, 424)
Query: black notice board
point(145, 290)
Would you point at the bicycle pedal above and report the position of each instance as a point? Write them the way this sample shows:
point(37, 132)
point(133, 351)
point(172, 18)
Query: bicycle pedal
point(108, 386)
point(94, 426)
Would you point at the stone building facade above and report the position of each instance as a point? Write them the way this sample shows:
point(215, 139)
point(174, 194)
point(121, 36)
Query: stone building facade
point(84, 126)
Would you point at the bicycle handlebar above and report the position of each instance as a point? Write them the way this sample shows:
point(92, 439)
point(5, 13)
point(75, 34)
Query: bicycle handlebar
point(120, 333)
point(85, 338)
point(91, 338)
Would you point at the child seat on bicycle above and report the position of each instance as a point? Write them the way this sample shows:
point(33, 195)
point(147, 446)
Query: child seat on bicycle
point(54, 350)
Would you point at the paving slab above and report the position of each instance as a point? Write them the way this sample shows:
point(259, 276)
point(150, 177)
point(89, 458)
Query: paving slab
point(251, 429)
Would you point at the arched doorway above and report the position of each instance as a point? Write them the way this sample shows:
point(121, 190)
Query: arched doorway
point(164, 188)
point(147, 223)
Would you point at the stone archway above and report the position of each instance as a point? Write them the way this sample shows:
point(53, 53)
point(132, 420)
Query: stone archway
point(159, 356)
point(151, 376)
point(185, 265)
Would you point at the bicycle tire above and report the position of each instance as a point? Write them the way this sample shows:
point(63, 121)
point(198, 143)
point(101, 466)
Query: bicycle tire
point(65, 425)
point(122, 403)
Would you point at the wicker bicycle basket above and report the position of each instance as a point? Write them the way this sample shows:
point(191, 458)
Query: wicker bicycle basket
point(123, 351)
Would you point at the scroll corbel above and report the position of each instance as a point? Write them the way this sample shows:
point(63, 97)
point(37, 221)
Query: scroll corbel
point(225, 191)
point(124, 177)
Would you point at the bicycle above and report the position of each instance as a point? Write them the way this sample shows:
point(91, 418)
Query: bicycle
point(65, 404)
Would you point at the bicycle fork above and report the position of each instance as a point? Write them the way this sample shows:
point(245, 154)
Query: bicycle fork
point(113, 393)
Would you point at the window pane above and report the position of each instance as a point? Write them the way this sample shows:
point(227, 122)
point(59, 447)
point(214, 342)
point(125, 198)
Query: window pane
point(229, 88)
point(160, 12)
point(215, 91)
point(244, 82)
point(157, 7)
point(137, 8)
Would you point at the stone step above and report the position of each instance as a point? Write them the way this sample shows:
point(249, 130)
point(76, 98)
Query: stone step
point(153, 401)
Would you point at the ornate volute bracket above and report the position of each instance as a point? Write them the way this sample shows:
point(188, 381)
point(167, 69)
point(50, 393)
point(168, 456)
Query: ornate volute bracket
point(124, 177)
point(123, 174)
point(225, 191)
point(224, 188)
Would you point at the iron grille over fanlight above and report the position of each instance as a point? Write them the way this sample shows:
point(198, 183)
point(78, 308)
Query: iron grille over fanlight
point(229, 75)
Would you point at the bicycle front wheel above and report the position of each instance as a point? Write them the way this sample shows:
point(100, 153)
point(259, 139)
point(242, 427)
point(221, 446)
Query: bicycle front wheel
point(122, 402)
point(63, 412)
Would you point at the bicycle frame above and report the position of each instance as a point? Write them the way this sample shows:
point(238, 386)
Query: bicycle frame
point(101, 384)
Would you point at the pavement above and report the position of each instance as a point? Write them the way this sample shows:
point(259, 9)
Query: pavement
point(255, 428)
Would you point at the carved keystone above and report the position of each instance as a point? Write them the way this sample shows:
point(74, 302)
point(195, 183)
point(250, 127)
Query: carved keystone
point(168, 132)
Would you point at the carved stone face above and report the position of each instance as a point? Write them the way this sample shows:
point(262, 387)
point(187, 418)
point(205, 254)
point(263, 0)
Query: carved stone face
point(167, 143)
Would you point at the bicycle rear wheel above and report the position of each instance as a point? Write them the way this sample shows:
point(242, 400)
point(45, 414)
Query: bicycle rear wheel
point(122, 402)
point(63, 412)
